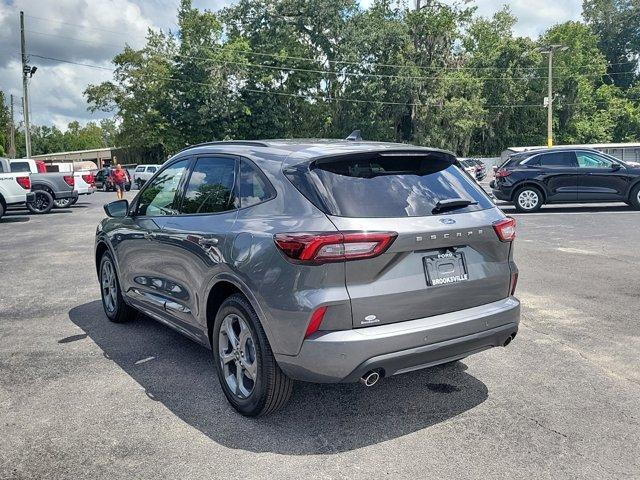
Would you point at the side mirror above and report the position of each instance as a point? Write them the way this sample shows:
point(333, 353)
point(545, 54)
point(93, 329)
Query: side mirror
point(117, 209)
point(615, 167)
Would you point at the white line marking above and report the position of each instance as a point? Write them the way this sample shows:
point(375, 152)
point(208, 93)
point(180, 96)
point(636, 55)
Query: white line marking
point(144, 360)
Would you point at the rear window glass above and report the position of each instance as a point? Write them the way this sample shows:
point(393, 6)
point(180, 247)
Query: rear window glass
point(387, 186)
point(20, 167)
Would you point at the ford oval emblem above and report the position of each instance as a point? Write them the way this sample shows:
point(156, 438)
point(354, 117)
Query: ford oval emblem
point(447, 221)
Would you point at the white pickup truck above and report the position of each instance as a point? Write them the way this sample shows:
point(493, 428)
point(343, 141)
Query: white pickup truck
point(84, 182)
point(15, 188)
point(142, 173)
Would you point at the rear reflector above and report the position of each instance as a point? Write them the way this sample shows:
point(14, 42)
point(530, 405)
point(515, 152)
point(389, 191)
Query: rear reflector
point(513, 283)
point(316, 320)
point(70, 180)
point(318, 248)
point(506, 229)
point(25, 182)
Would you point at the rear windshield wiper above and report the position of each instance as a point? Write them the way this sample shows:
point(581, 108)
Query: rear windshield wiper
point(452, 204)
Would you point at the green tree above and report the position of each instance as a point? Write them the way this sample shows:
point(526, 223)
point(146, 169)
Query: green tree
point(617, 24)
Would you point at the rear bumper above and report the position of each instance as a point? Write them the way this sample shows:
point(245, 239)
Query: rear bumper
point(344, 356)
point(502, 194)
point(67, 194)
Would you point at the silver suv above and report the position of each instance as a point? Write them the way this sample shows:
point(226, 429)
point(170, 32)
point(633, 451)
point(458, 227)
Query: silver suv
point(317, 260)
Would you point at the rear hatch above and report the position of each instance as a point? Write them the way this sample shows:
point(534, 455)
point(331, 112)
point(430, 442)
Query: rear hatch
point(446, 256)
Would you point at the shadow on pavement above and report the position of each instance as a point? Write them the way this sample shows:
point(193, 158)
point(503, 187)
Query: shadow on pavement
point(508, 208)
point(318, 419)
point(13, 218)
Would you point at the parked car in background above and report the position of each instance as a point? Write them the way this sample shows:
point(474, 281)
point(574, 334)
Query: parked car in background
point(15, 187)
point(318, 260)
point(46, 187)
point(142, 173)
point(481, 169)
point(469, 166)
point(104, 180)
point(565, 175)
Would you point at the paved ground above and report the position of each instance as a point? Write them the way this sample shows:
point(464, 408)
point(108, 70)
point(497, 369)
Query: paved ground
point(83, 398)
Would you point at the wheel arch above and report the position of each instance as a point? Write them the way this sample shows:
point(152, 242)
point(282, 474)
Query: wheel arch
point(221, 288)
point(43, 186)
point(634, 184)
point(529, 183)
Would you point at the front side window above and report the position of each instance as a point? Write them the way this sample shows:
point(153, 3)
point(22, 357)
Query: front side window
point(159, 197)
point(254, 188)
point(151, 169)
point(210, 188)
point(593, 160)
point(558, 159)
point(140, 169)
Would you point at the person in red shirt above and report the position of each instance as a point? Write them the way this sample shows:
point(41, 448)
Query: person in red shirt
point(119, 179)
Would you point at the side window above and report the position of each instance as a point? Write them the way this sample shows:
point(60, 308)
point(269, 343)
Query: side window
point(254, 188)
point(140, 169)
point(158, 197)
point(210, 188)
point(593, 160)
point(151, 169)
point(558, 159)
point(1, 168)
point(20, 167)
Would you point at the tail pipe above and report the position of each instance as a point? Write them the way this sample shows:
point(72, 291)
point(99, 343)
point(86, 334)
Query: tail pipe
point(370, 378)
point(509, 338)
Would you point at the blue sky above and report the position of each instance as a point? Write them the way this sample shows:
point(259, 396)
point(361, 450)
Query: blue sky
point(93, 31)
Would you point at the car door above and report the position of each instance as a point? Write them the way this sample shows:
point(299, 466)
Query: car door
point(600, 178)
point(196, 241)
point(140, 248)
point(559, 175)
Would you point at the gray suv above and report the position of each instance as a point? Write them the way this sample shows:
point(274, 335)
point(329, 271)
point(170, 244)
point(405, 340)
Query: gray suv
point(316, 260)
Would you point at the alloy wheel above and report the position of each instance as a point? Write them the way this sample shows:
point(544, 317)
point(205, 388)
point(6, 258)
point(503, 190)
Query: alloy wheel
point(40, 203)
point(237, 351)
point(528, 199)
point(109, 286)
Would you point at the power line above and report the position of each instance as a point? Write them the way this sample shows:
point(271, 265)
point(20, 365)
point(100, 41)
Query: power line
point(309, 96)
point(337, 62)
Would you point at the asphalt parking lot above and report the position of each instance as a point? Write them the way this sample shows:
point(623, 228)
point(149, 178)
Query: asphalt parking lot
point(84, 398)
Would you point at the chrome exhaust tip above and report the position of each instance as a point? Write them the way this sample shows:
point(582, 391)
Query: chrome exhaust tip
point(369, 379)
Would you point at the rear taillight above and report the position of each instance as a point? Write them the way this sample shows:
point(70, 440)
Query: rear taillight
point(90, 179)
point(70, 180)
point(506, 229)
point(25, 182)
point(316, 320)
point(502, 173)
point(513, 283)
point(318, 248)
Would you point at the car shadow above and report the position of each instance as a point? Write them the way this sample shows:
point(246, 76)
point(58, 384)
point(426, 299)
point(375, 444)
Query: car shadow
point(319, 418)
point(14, 217)
point(508, 208)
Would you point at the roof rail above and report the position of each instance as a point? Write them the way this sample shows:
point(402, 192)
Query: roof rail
point(248, 143)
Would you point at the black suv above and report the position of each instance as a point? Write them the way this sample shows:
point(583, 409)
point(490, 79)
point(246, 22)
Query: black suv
point(565, 175)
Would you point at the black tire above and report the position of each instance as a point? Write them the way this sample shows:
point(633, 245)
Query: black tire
point(62, 203)
point(634, 197)
point(528, 199)
point(272, 388)
point(43, 202)
point(127, 187)
point(121, 312)
point(74, 200)
point(139, 183)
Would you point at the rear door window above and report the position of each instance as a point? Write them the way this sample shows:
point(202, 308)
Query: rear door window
point(558, 160)
point(20, 167)
point(379, 185)
point(211, 186)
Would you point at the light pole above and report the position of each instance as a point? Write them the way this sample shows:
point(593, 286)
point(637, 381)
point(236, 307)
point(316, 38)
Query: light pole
point(549, 50)
point(27, 73)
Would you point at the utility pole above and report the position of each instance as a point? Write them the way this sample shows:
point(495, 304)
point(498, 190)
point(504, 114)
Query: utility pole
point(12, 133)
point(27, 72)
point(549, 49)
